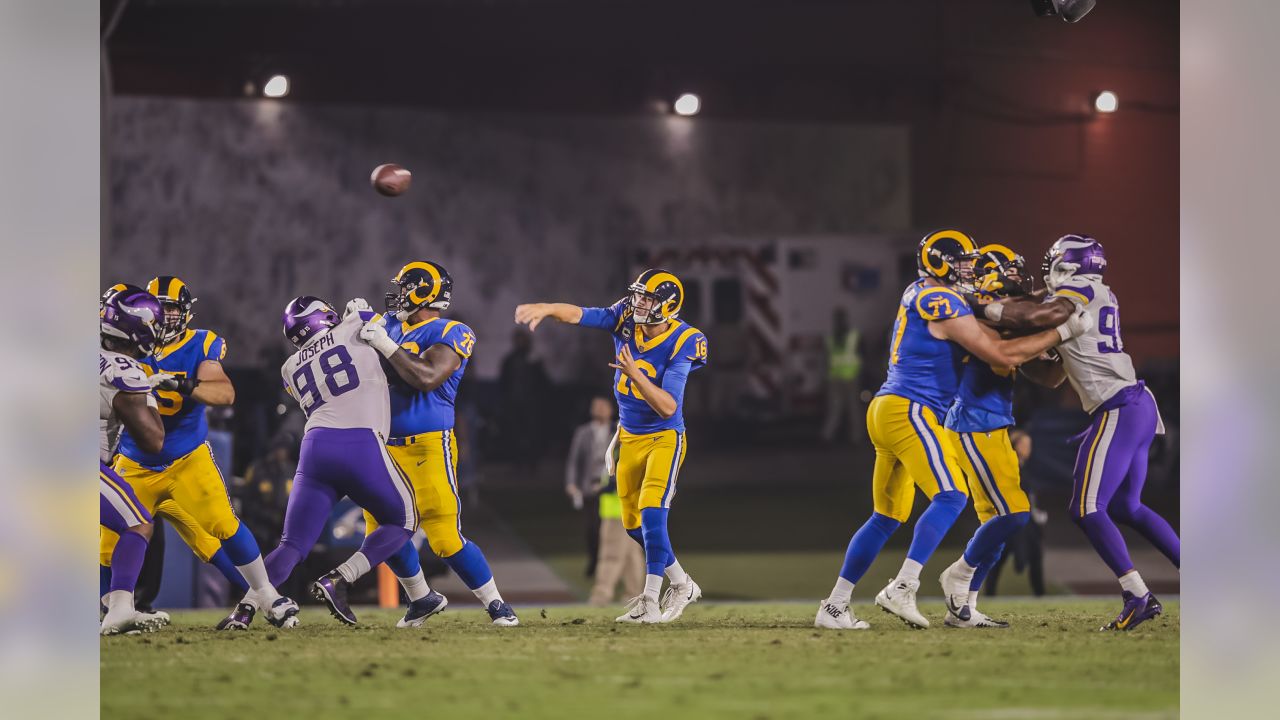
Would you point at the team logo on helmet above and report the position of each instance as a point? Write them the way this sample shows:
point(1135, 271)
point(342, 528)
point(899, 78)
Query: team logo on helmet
point(655, 297)
point(134, 317)
point(1072, 255)
point(176, 299)
point(306, 317)
point(1000, 271)
point(420, 284)
point(947, 255)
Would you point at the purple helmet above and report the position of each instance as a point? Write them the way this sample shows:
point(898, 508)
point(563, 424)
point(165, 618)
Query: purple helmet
point(134, 316)
point(1073, 255)
point(306, 317)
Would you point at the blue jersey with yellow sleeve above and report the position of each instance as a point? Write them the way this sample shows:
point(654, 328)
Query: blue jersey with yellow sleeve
point(185, 426)
point(984, 400)
point(667, 359)
point(922, 367)
point(413, 411)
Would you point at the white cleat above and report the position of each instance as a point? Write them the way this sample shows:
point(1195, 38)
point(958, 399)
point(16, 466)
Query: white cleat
point(128, 622)
point(641, 609)
point(976, 620)
point(832, 616)
point(159, 618)
point(899, 598)
point(677, 598)
point(955, 591)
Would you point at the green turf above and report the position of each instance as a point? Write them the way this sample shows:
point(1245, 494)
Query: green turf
point(719, 661)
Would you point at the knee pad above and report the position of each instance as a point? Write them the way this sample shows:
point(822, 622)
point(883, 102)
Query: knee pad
point(225, 528)
point(443, 535)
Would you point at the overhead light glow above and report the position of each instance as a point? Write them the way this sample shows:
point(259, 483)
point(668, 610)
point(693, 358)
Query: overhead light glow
point(1106, 102)
point(277, 86)
point(687, 104)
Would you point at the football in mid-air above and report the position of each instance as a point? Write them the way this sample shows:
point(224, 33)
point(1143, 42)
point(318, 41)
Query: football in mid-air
point(390, 179)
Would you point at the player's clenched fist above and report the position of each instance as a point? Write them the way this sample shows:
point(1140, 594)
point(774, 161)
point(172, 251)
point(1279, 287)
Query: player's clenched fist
point(1076, 325)
point(375, 334)
point(356, 305)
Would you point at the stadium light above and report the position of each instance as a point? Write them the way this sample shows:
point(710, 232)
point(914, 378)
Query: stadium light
point(687, 105)
point(1106, 102)
point(277, 86)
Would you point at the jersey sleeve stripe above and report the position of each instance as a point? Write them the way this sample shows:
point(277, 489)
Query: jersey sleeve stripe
point(684, 337)
point(209, 337)
point(1072, 294)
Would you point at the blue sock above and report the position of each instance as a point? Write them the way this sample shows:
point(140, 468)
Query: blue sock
point(469, 565)
point(104, 580)
point(991, 535)
point(980, 575)
point(934, 523)
point(228, 569)
point(405, 562)
point(241, 547)
point(657, 546)
point(866, 545)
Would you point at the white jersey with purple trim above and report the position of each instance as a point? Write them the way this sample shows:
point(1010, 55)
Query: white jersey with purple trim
point(1095, 362)
point(117, 373)
point(338, 380)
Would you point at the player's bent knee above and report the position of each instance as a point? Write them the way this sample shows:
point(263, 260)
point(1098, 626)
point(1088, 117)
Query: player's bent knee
point(224, 528)
point(145, 530)
point(443, 537)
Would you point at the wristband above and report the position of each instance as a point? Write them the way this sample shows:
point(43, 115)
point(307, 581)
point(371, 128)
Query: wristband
point(993, 311)
point(384, 345)
point(1064, 331)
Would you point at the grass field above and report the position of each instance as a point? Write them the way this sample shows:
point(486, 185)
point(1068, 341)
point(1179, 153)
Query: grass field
point(761, 661)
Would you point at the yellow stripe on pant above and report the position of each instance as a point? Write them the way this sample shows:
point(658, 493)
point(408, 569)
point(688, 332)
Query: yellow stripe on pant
point(431, 464)
point(991, 465)
point(912, 450)
point(189, 493)
point(648, 466)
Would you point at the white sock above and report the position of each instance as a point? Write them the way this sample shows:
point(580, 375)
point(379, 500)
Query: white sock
point(354, 568)
point(652, 586)
point(415, 587)
point(842, 593)
point(676, 574)
point(488, 592)
point(964, 570)
point(910, 570)
point(255, 573)
point(1132, 582)
point(118, 600)
point(973, 599)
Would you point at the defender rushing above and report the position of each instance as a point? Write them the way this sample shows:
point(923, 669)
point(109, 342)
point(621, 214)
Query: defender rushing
point(978, 423)
point(931, 335)
point(182, 481)
point(1111, 465)
point(340, 385)
point(655, 352)
point(429, 355)
point(130, 320)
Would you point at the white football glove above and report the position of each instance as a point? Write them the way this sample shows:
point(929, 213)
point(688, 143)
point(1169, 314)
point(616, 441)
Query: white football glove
point(374, 333)
point(1076, 325)
point(164, 381)
point(356, 305)
point(611, 456)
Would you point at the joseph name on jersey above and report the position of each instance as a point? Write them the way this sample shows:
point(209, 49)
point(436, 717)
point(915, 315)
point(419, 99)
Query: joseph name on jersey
point(185, 425)
point(922, 367)
point(1095, 361)
point(666, 359)
point(338, 379)
point(117, 373)
point(414, 412)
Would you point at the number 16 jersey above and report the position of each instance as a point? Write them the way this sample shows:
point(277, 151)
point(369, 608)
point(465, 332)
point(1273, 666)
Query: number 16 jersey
point(338, 379)
point(1095, 362)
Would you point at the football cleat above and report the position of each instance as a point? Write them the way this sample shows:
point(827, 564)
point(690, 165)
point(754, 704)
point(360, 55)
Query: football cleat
point(422, 608)
point(1136, 611)
point(283, 613)
point(331, 589)
point(129, 622)
point(677, 598)
point(501, 614)
point(833, 616)
point(239, 619)
point(976, 620)
point(159, 618)
point(641, 609)
point(899, 598)
point(955, 591)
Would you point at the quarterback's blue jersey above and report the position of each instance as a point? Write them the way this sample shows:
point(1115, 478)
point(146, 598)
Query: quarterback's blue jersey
point(413, 411)
point(922, 367)
point(667, 359)
point(185, 426)
point(984, 401)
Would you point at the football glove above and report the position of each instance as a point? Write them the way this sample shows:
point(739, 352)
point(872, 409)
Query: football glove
point(356, 305)
point(375, 334)
point(184, 385)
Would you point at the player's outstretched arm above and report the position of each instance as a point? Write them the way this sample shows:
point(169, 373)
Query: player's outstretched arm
point(1026, 313)
point(532, 314)
point(987, 345)
point(138, 413)
point(212, 386)
point(662, 402)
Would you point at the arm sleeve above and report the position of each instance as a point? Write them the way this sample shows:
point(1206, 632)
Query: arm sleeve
point(939, 303)
point(675, 377)
point(603, 318)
